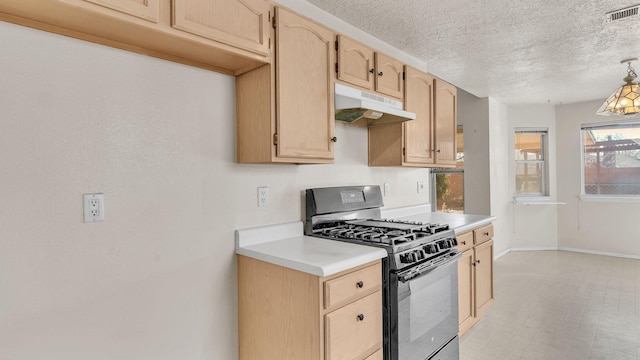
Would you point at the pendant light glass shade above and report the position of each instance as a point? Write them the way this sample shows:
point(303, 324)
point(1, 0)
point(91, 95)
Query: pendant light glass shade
point(626, 99)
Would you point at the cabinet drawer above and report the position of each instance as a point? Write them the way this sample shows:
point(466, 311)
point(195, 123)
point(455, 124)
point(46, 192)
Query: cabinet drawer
point(352, 286)
point(482, 234)
point(375, 356)
point(465, 241)
point(354, 329)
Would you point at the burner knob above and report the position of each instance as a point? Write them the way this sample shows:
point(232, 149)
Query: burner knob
point(431, 249)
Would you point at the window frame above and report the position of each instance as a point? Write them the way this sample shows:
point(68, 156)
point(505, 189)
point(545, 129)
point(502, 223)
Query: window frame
point(603, 197)
point(435, 171)
point(544, 149)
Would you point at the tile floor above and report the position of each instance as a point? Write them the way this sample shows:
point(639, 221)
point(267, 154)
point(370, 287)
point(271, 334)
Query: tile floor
point(557, 305)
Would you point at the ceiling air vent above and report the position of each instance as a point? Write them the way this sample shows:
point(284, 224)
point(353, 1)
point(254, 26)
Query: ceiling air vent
point(622, 13)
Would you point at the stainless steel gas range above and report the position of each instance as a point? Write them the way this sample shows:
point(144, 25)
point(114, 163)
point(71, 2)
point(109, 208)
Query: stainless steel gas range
point(420, 274)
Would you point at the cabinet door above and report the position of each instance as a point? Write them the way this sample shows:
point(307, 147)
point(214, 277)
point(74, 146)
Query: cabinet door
point(482, 234)
point(484, 276)
point(355, 329)
point(304, 87)
point(389, 76)
point(144, 9)
point(466, 309)
point(445, 122)
point(240, 23)
point(417, 133)
point(355, 63)
point(375, 356)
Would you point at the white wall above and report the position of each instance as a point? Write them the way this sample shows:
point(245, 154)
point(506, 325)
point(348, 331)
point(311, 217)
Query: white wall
point(605, 227)
point(535, 226)
point(157, 279)
point(501, 200)
point(473, 115)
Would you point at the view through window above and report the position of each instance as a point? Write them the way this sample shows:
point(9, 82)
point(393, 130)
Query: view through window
point(449, 183)
point(530, 160)
point(611, 159)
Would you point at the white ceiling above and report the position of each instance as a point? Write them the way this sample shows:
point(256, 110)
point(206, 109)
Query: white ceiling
point(514, 51)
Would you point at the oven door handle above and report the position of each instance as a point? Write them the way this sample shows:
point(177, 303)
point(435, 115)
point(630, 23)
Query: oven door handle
point(418, 272)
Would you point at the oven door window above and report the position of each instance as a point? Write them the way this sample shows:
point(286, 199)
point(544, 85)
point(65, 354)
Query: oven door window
point(427, 312)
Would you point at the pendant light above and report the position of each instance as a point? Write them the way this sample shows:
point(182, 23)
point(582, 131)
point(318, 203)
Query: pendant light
point(626, 99)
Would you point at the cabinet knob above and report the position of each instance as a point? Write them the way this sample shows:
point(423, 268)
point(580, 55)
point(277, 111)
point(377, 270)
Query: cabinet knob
point(372, 70)
point(478, 261)
point(360, 284)
point(360, 317)
point(486, 233)
point(464, 243)
point(334, 139)
point(380, 73)
point(436, 150)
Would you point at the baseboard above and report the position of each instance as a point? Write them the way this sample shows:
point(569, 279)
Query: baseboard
point(637, 257)
point(584, 251)
point(496, 257)
point(535, 248)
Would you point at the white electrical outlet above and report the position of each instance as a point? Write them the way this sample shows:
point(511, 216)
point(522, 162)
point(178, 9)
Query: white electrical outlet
point(420, 187)
point(93, 207)
point(387, 189)
point(263, 196)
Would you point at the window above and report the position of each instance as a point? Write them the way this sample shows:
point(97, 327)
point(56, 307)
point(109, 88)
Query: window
point(611, 159)
point(448, 184)
point(531, 166)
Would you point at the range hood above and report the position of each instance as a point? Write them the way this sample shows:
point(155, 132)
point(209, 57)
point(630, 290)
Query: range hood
point(352, 105)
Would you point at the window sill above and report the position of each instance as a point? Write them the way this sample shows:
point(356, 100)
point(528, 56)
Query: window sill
point(537, 200)
point(610, 198)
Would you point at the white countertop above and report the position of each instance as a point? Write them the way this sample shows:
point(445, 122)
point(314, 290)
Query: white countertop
point(460, 223)
point(285, 245)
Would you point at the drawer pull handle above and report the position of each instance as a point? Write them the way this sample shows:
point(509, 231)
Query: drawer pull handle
point(360, 317)
point(464, 243)
point(360, 284)
point(486, 233)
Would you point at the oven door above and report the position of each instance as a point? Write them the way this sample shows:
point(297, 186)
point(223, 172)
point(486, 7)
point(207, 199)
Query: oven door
point(428, 312)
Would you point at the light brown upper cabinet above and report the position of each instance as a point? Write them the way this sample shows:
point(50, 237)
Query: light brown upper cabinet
point(418, 134)
point(409, 143)
point(242, 23)
point(144, 9)
point(226, 36)
point(389, 76)
point(285, 111)
point(360, 65)
point(355, 63)
point(446, 101)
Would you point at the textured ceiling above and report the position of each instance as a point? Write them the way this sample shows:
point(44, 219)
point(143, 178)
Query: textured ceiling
point(514, 51)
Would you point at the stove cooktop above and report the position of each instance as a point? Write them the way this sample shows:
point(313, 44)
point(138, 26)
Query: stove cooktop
point(407, 243)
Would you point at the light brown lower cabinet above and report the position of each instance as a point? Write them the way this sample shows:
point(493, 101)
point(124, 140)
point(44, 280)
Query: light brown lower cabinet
point(286, 314)
point(475, 275)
